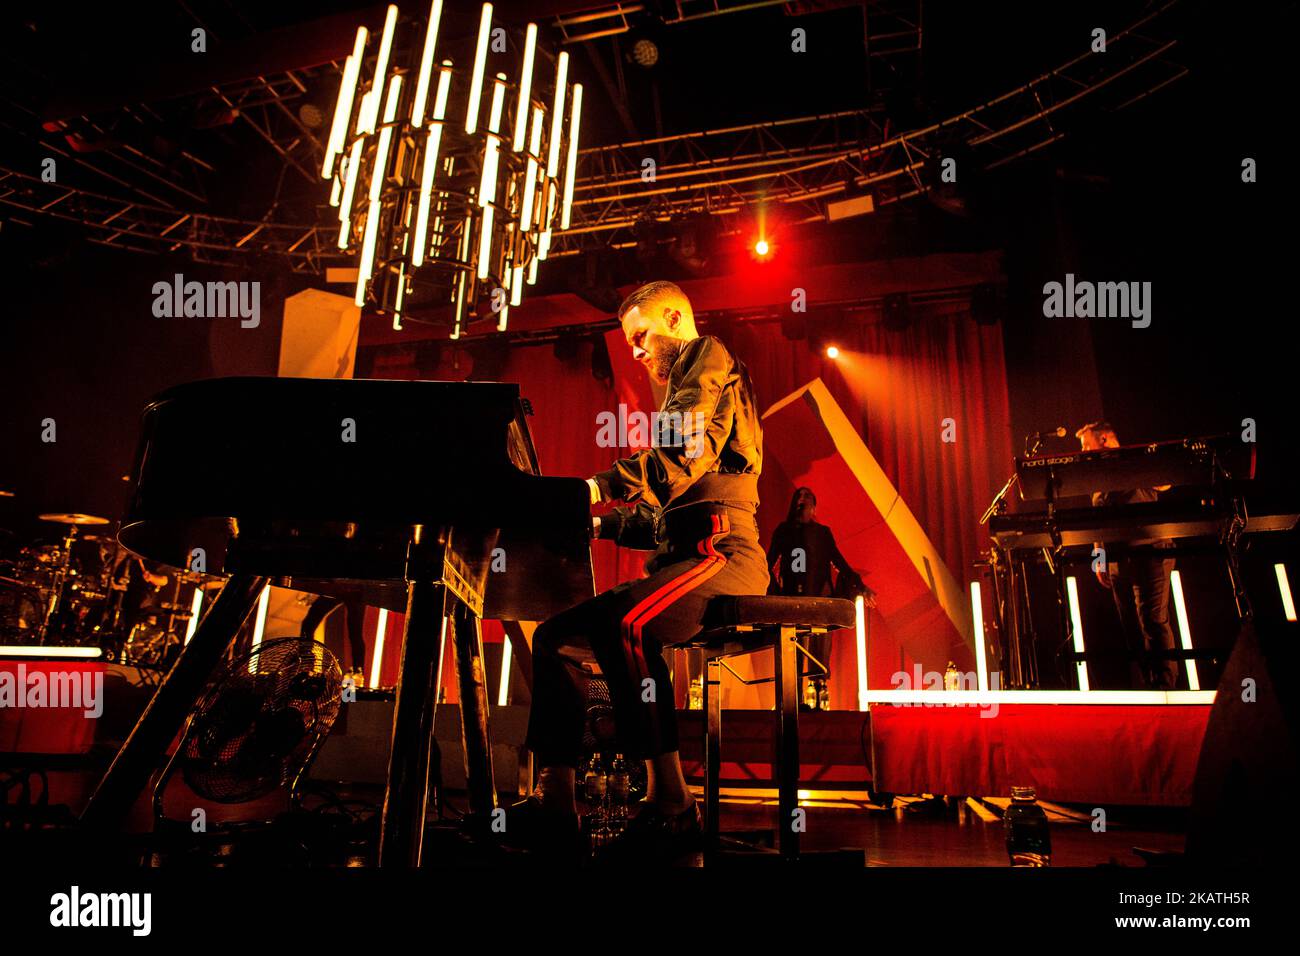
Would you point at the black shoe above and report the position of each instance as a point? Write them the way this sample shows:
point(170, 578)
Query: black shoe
point(653, 836)
point(529, 825)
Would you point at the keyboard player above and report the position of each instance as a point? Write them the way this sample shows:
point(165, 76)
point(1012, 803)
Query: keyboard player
point(692, 500)
point(1138, 583)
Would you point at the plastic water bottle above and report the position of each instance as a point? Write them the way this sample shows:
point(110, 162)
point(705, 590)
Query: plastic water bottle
point(951, 677)
point(619, 788)
point(1029, 840)
point(595, 785)
point(695, 698)
point(823, 695)
point(810, 694)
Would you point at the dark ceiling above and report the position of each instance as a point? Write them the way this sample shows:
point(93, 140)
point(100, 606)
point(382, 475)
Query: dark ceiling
point(114, 90)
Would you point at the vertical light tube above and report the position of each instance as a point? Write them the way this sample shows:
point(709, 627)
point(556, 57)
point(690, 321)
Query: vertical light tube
point(365, 268)
point(484, 243)
point(530, 176)
point(480, 65)
point(343, 105)
point(196, 605)
point(370, 110)
point(1081, 667)
point(259, 624)
point(977, 619)
point(860, 615)
point(544, 241)
point(401, 296)
point(377, 659)
point(503, 691)
point(507, 276)
point(488, 184)
point(487, 190)
point(1284, 588)
point(516, 286)
point(432, 143)
point(378, 174)
point(426, 66)
point(557, 116)
point(437, 668)
point(462, 251)
point(525, 87)
point(1184, 629)
point(571, 166)
point(350, 177)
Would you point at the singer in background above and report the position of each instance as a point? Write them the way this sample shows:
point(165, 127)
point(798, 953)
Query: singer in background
point(1139, 583)
point(800, 560)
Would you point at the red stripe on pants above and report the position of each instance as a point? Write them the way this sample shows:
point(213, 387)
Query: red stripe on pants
point(636, 619)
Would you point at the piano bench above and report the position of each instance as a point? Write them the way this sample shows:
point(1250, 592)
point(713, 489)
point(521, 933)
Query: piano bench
point(736, 626)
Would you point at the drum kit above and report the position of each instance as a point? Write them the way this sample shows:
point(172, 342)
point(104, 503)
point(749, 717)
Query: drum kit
point(73, 591)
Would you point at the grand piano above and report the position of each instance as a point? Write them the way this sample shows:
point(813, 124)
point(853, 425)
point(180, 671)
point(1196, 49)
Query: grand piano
point(423, 497)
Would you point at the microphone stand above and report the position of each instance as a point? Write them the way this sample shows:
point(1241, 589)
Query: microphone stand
point(999, 503)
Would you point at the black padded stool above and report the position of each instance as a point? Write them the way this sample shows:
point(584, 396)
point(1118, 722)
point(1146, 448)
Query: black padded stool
point(735, 626)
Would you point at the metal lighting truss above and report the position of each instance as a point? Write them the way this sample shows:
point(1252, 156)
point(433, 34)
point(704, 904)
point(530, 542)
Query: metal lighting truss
point(799, 164)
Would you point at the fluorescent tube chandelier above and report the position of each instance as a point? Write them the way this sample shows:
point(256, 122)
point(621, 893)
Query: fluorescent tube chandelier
point(449, 181)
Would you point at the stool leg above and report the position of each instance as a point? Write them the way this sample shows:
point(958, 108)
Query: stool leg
point(787, 741)
point(712, 749)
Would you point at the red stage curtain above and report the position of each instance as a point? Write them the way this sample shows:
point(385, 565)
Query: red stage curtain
point(899, 385)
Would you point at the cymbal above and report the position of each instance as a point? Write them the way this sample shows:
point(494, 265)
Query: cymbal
point(65, 517)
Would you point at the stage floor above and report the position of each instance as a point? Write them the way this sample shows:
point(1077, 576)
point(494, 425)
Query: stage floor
point(959, 837)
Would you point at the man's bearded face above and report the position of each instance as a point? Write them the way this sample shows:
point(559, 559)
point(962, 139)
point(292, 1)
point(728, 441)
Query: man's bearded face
point(652, 342)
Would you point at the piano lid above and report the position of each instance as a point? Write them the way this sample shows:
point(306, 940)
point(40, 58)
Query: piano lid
point(324, 480)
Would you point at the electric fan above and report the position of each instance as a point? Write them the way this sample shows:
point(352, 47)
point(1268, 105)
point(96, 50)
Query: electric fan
point(260, 723)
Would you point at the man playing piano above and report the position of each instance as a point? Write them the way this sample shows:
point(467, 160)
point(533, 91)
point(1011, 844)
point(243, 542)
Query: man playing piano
point(1139, 583)
point(691, 498)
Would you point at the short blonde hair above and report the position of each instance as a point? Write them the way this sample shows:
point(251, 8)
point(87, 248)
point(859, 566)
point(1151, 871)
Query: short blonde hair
point(651, 294)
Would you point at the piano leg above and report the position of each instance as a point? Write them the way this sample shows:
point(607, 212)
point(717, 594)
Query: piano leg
point(406, 799)
point(163, 719)
point(472, 675)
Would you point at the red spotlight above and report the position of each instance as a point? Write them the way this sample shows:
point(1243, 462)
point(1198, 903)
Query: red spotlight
point(832, 352)
point(761, 247)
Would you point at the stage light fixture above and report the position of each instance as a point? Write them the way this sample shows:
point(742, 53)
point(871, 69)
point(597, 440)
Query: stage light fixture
point(1076, 620)
point(259, 625)
point(977, 621)
point(196, 606)
point(860, 632)
point(1184, 628)
point(1284, 589)
point(762, 248)
point(503, 689)
point(377, 660)
point(460, 185)
point(645, 53)
point(832, 351)
point(39, 650)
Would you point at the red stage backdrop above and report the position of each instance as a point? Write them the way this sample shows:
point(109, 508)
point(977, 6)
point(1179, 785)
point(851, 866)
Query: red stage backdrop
point(897, 386)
